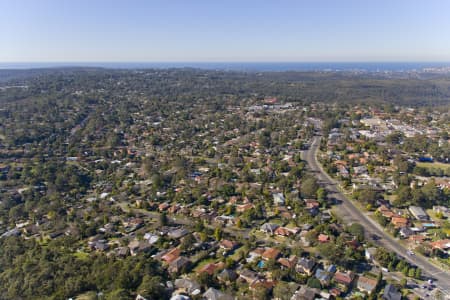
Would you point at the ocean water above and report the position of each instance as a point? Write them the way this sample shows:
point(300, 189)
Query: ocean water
point(244, 66)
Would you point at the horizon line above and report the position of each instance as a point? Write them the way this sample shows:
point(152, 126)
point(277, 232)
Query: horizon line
point(232, 61)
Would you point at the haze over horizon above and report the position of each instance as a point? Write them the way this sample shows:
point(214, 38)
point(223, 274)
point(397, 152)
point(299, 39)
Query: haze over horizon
point(235, 31)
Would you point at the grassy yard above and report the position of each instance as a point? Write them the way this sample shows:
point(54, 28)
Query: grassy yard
point(81, 255)
point(204, 262)
point(237, 254)
point(435, 165)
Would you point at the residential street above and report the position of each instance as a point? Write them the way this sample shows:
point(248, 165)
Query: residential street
point(350, 213)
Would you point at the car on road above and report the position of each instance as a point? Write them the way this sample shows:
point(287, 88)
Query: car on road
point(375, 237)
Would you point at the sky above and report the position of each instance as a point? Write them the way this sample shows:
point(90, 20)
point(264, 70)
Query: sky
point(224, 31)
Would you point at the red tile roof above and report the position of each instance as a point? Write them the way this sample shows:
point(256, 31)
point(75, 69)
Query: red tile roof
point(171, 255)
point(271, 253)
point(343, 278)
point(323, 238)
point(210, 268)
point(288, 262)
point(227, 244)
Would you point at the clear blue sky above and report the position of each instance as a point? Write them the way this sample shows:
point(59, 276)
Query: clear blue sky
point(224, 30)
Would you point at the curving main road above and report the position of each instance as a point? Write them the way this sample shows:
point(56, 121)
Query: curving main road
point(350, 214)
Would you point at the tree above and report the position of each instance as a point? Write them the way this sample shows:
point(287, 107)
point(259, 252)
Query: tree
point(151, 287)
point(431, 193)
point(309, 187)
point(218, 234)
point(403, 282)
point(120, 294)
point(187, 242)
point(163, 220)
point(418, 273)
point(314, 283)
point(261, 292)
point(405, 271)
point(205, 280)
point(403, 196)
point(321, 194)
point(401, 164)
point(356, 230)
point(367, 195)
point(330, 251)
point(395, 137)
point(284, 290)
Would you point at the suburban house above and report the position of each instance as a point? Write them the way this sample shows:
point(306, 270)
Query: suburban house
point(323, 276)
point(244, 207)
point(344, 278)
point(323, 238)
point(391, 293)
point(278, 199)
point(211, 268)
point(171, 255)
point(228, 245)
point(269, 228)
point(386, 212)
point(288, 262)
point(283, 231)
point(399, 222)
point(406, 232)
point(179, 264)
point(418, 213)
point(248, 275)
point(227, 276)
point(366, 284)
point(441, 245)
point(271, 253)
point(304, 293)
point(306, 266)
point(370, 253)
point(213, 294)
point(187, 286)
point(312, 203)
point(136, 247)
point(177, 233)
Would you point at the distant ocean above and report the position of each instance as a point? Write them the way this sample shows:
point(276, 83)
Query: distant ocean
point(245, 66)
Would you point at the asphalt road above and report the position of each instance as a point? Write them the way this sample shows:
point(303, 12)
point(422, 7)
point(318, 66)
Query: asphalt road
point(350, 214)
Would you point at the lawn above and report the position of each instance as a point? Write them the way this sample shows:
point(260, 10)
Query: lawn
point(204, 262)
point(435, 166)
point(237, 254)
point(81, 255)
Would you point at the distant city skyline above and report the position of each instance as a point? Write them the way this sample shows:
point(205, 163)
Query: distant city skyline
point(224, 31)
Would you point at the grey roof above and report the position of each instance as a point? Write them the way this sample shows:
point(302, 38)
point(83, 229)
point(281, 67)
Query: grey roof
point(406, 231)
point(249, 274)
point(304, 293)
point(307, 264)
point(227, 275)
point(322, 275)
point(307, 227)
point(391, 293)
point(418, 212)
point(187, 284)
point(180, 262)
point(178, 233)
point(213, 294)
point(269, 227)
